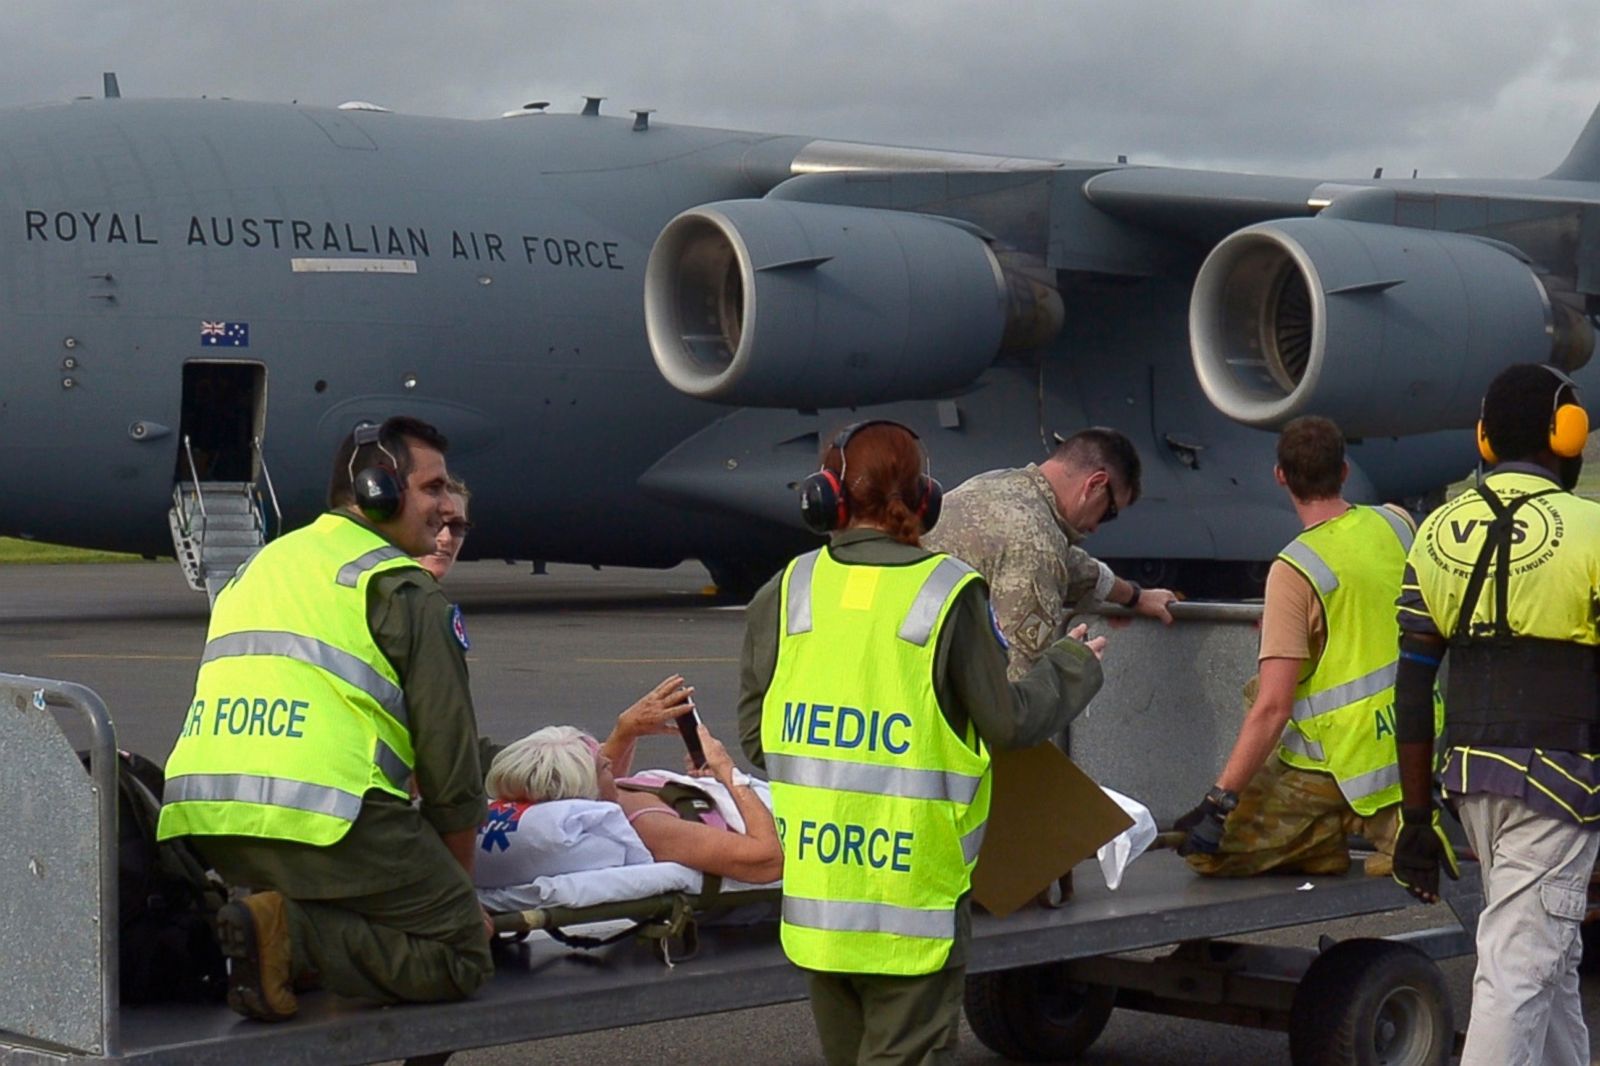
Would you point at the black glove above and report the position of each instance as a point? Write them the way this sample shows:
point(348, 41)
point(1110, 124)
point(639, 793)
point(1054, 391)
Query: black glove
point(1418, 849)
point(1204, 823)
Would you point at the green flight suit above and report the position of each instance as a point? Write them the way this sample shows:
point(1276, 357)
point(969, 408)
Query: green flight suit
point(877, 1018)
point(386, 913)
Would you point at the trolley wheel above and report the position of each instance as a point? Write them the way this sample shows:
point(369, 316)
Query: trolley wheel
point(1371, 1003)
point(1036, 1014)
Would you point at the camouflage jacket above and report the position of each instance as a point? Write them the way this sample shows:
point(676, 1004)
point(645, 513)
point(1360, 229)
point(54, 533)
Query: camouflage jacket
point(1006, 525)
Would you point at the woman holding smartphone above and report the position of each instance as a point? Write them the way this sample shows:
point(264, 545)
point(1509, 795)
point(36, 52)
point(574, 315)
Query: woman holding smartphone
point(873, 684)
point(562, 763)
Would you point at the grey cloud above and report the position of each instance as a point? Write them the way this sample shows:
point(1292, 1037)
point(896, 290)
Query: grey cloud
point(1474, 87)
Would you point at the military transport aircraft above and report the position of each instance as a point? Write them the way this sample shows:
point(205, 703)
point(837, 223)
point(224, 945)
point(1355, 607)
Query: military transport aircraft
point(197, 298)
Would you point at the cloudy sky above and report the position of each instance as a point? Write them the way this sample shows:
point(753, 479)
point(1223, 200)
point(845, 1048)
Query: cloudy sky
point(1472, 87)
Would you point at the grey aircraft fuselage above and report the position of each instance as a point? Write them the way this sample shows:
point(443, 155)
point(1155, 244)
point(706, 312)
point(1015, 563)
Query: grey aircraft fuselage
point(488, 276)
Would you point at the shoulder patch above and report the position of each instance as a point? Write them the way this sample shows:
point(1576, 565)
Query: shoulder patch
point(994, 621)
point(458, 626)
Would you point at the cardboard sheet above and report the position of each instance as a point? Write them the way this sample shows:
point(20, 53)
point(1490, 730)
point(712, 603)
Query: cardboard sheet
point(1045, 817)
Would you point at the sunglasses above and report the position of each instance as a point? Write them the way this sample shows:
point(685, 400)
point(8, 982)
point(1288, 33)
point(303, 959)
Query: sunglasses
point(458, 527)
point(1111, 506)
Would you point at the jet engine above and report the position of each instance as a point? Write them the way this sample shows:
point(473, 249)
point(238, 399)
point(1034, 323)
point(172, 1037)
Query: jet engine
point(1387, 330)
point(790, 304)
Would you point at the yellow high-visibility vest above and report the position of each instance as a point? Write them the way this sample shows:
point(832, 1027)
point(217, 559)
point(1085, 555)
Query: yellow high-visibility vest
point(880, 805)
point(1541, 602)
point(1343, 717)
point(296, 712)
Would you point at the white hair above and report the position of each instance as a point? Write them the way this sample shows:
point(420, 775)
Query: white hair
point(553, 763)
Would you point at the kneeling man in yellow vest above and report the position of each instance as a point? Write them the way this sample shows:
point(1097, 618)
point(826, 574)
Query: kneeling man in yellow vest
point(1315, 759)
point(334, 679)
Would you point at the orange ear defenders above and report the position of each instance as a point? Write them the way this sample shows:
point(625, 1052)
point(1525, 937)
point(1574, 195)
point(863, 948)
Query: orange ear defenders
point(825, 502)
point(1569, 422)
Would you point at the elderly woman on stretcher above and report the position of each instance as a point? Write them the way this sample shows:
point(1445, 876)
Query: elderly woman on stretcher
point(567, 824)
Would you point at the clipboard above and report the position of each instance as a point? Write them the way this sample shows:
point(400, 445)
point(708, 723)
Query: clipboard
point(1045, 817)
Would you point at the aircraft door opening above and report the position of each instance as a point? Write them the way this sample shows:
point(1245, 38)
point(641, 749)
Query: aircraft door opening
point(224, 414)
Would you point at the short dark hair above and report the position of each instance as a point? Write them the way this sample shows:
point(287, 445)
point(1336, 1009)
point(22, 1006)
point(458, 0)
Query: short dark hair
point(1101, 447)
point(1517, 410)
point(392, 448)
point(1311, 456)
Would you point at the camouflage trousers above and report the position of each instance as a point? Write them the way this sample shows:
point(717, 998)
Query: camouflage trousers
point(1296, 821)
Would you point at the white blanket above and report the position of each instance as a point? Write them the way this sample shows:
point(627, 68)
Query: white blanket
point(578, 853)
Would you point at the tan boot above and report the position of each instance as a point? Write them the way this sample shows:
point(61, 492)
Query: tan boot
point(254, 934)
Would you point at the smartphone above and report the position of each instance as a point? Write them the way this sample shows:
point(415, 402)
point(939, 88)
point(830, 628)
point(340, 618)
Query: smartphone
point(689, 729)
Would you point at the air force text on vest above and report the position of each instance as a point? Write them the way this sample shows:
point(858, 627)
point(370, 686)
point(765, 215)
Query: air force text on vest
point(822, 725)
point(248, 716)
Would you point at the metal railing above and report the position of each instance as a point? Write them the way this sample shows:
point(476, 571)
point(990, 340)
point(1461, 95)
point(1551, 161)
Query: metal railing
point(272, 493)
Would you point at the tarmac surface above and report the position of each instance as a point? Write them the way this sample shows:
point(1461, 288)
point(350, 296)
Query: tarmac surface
point(573, 646)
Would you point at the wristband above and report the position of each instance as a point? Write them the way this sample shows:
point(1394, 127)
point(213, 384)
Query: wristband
point(1225, 798)
point(1133, 600)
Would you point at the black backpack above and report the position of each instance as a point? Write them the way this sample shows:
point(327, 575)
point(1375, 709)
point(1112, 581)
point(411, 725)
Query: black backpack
point(167, 903)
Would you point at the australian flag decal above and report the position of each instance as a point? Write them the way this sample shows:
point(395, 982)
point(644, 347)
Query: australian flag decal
point(224, 334)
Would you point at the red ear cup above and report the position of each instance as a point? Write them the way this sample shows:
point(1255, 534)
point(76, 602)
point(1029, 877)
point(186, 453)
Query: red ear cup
point(823, 506)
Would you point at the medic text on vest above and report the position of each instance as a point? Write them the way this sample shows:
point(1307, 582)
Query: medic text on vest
point(249, 717)
point(822, 725)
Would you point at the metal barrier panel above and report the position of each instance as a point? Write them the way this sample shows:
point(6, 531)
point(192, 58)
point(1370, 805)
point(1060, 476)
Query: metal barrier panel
point(1165, 722)
point(58, 898)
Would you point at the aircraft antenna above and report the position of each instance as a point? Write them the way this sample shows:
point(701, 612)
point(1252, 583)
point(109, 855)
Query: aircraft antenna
point(591, 105)
point(109, 79)
point(641, 118)
point(1377, 172)
point(534, 107)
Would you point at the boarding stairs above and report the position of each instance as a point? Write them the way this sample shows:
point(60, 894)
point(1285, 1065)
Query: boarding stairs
point(217, 525)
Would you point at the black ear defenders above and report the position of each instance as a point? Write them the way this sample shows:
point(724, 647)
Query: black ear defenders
point(825, 501)
point(376, 487)
point(1569, 422)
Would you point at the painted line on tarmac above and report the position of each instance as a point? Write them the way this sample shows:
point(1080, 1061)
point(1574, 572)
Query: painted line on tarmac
point(674, 659)
point(98, 655)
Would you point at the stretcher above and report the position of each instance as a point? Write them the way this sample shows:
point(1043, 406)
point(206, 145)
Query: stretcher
point(1041, 982)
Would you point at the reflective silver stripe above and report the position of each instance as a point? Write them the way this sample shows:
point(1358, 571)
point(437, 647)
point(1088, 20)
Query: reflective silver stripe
point(971, 843)
point(336, 661)
point(350, 573)
point(1297, 742)
point(1401, 527)
point(1370, 783)
point(839, 916)
point(1340, 696)
point(799, 620)
point(270, 791)
point(393, 766)
point(873, 780)
point(924, 612)
point(1312, 564)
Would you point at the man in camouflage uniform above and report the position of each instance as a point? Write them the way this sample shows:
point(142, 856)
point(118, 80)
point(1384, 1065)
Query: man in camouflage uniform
point(1020, 529)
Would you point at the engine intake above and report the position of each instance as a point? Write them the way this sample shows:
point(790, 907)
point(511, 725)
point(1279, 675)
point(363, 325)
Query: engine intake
point(789, 304)
point(1387, 330)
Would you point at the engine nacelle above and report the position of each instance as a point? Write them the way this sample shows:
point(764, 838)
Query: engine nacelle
point(787, 304)
point(1387, 330)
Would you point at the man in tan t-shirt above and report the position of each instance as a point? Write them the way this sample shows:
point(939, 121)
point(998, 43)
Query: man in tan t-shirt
point(1264, 814)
